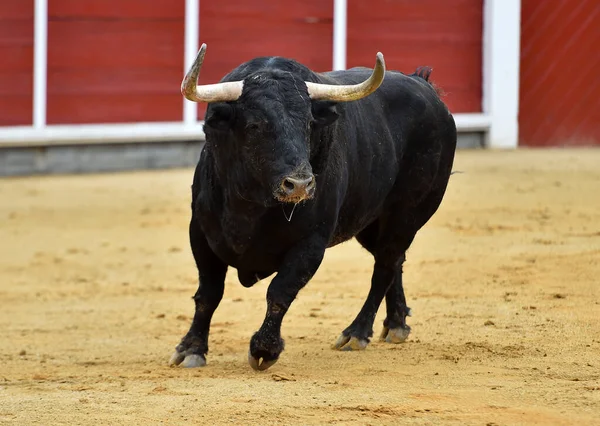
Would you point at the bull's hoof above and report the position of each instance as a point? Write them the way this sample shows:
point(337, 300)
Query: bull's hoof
point(348, 343)
point(187, 361)
point(394, 335)
point(265, 349)
point(260, 363)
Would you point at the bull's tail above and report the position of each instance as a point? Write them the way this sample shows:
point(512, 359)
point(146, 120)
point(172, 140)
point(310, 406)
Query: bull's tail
point(424, 72)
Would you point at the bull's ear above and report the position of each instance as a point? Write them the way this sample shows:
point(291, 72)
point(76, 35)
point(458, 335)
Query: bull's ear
point(324, 112)
point(219, 117)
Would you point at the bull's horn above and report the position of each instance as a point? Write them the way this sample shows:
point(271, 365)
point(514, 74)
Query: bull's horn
point(349, 92)
point(220, 92)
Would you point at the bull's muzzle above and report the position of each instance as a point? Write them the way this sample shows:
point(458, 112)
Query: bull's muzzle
point(294, 189)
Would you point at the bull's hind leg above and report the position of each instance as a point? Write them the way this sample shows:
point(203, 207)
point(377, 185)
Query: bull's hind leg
point(395, 329)
point(388, 248)
point(356, 336)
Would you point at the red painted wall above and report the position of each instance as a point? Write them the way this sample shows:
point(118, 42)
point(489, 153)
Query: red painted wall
point(238, 30)
point(114, 61)
point(121, 60)
point(16, 63)
point(445, 35)
point(560, 62)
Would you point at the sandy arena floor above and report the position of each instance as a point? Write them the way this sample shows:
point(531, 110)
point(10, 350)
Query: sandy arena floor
point(96, 280)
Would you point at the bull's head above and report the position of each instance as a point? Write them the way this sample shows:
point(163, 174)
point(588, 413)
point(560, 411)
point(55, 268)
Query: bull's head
point(264, 124)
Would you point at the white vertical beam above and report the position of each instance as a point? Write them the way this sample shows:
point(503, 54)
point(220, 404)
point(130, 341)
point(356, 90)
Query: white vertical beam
point(40, 62)
point(192, 32)
point(340, 23)
point(501, 60)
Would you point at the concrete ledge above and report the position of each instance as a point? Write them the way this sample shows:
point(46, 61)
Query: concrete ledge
point(95, 158)
point(471, 140)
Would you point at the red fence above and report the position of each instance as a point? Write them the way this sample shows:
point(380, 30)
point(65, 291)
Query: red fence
point(118, 61)
point(445, 35)
point(114, 61)
point(238, 30)
point(121, 61)
point(560, 62)
point(16, 63)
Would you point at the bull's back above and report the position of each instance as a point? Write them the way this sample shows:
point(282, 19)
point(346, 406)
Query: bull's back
point(388, 136)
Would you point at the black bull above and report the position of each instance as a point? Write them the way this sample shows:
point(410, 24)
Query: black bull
point(285, 174)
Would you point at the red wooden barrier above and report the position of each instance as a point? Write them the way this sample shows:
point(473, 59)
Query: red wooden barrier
point(115, 61)
point(238, 30)
point(445, 35)
point(16, 62)
point(560, 62)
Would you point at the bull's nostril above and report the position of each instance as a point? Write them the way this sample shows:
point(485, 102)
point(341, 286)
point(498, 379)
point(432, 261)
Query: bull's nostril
point(288, 185)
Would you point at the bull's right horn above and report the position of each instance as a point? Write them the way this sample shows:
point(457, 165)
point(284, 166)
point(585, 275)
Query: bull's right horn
point(219, 92)
point(352, 92)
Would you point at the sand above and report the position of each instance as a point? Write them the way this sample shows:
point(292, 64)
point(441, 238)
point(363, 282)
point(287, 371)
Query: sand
point(96, 279)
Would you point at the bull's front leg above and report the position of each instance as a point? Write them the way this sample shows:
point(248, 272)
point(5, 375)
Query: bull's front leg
point(191, 352)
point(298, 267)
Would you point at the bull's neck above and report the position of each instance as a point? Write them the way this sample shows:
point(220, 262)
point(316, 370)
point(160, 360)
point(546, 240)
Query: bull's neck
point(239, 221)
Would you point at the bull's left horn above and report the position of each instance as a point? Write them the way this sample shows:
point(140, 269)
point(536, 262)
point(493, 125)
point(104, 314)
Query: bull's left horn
point(351, 92)
point(220, 92)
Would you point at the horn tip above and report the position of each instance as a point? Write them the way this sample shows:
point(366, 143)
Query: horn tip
point(200, 54)
point(380, 60)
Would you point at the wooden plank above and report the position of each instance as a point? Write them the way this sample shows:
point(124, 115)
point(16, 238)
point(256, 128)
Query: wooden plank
point(268, 9)
point(117, 80)
point(441, 34)
point(106, 44)
point(113, 108)
point(16, 110)
point(15, 10)
point(123, 9)
point(16, 45)
point(16, 83)
point(16, 59)
point(16, 33)
point(16, 66)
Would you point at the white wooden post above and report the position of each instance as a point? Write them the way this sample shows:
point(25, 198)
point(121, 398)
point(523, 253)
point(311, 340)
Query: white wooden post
point(192, 31)
point(501, 60)
point(340, 23)
point(40, 62)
